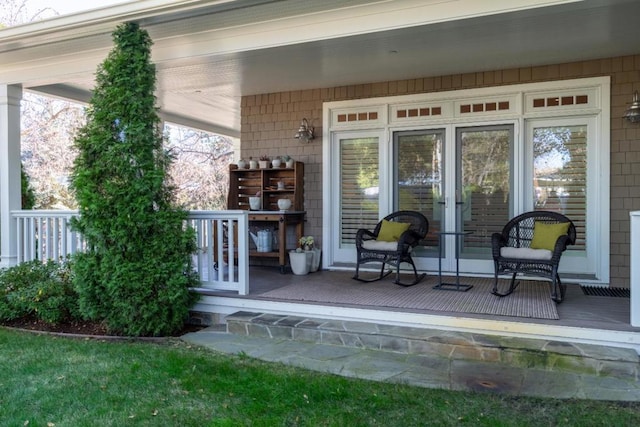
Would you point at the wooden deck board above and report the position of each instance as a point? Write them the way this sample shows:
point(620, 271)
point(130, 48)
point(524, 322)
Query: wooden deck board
point(577, 310)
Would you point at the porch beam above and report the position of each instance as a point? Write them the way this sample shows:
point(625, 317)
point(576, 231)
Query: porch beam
point(10, 194)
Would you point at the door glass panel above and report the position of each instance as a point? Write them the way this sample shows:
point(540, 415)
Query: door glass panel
point(560, 174)
point(359, 187)
point(483, 185)
point(418, 178)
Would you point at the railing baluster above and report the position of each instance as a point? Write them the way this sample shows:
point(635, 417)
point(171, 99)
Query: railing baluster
point(46, 235)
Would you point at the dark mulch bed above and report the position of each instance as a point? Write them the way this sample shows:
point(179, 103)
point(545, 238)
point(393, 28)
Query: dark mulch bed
point(78, 327)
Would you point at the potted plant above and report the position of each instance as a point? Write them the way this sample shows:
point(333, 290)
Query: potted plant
point(242, 164)
point(264, 161)
point(276, 162)
point(253, 164)
point(254, 202)
point(300, 261)
point(288, 161)
point(307, 245)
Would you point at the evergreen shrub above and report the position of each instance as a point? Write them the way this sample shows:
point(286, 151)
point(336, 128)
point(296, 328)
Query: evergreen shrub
point(137, 272)
point(40, 290)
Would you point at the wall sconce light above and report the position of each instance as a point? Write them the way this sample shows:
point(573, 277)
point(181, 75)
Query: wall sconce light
point(633, 112)
point(305, 132)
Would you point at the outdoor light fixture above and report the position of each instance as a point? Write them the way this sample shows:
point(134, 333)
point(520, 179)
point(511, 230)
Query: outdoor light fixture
point(305, 132)
point(633, 112)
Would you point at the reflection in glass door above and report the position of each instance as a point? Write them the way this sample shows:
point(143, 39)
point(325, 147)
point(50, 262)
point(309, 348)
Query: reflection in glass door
point(483, 185)
point(418, 179)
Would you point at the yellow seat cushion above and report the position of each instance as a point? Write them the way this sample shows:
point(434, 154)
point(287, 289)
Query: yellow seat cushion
point(390, 231)
point(545, 235)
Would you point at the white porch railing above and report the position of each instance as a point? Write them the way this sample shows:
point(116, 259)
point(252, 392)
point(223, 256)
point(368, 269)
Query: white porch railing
point(221, 263)
point(45, 234)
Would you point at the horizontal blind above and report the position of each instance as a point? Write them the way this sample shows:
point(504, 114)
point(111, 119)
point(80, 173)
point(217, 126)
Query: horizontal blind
point(359, 187)
point(560, 174)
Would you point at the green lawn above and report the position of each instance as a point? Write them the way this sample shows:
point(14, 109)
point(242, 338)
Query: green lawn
point(49, 381)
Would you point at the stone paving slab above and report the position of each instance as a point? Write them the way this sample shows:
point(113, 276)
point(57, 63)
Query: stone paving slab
point(431, 371)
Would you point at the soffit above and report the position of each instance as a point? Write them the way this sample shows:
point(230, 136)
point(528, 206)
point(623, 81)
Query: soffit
point(209, 56)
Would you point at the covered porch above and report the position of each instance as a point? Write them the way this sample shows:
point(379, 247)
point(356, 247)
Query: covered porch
point(245, 79)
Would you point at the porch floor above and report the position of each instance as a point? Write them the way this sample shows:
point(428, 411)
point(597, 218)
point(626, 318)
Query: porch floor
point(577, 309)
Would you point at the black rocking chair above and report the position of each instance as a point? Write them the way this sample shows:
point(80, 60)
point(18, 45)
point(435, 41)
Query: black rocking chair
point(392, 251)
point(513, 252)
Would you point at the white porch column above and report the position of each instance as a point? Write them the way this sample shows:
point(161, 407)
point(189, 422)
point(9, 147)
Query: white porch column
point(10, 193)
point(634, 261)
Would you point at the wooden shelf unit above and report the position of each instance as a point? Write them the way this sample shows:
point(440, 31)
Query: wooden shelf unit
point(245, 183)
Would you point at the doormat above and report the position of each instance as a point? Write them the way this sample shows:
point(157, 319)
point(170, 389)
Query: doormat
point(531, 299)
point(600, 291)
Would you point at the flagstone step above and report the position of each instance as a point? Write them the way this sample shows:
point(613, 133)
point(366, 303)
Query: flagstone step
point(576, 358)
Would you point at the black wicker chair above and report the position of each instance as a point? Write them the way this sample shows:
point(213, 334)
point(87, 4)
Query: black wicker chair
point(513, 254)
point(393, 253)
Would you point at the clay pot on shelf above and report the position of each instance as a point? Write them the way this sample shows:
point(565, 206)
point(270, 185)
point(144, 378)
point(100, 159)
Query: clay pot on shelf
point(284, 204)
point(254, 203)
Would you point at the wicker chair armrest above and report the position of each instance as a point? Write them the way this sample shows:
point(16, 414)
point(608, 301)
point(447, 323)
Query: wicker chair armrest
point(497, 241)
point(363, 235)
point(561, 245)
point(409, 238)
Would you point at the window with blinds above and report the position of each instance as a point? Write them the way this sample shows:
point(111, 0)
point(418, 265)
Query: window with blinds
point(560, 174)
point(359, 187)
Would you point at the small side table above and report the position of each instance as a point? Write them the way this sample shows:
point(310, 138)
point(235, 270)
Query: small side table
point(457, 286)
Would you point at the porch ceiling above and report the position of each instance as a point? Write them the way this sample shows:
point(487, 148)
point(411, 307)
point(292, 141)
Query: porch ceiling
point(211, 53)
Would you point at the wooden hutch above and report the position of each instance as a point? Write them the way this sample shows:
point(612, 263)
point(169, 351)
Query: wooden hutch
point(269, 185)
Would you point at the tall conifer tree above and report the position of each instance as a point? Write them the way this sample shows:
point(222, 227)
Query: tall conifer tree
point(136, 272)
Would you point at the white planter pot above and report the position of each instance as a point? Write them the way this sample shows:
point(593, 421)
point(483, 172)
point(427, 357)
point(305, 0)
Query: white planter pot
point(254, 203)
point(276, 163)
point(315, 262)
point(284, 204)
point(242, 164)
point(300, 262)
point(253, 164)
point(289, 163)
point(264, 164)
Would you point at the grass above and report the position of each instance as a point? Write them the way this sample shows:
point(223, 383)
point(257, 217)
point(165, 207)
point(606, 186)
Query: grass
point(49, 381)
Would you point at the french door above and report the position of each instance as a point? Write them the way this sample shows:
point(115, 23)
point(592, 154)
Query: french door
point(461, 184)
point(459, 178)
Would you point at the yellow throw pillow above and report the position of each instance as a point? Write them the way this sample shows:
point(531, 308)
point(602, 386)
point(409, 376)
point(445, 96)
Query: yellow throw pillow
point(390, 231)
point(546, 235)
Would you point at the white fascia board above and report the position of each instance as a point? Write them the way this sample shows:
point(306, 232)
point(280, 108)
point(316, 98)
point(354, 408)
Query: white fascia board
point(96, 21)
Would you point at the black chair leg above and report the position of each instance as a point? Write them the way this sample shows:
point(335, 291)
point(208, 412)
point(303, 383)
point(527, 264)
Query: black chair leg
point(512, 286)
point(557, 289)
point(382, 274)
point(416, 277)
